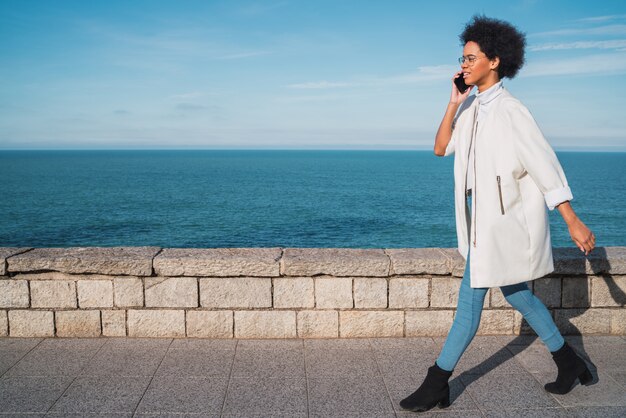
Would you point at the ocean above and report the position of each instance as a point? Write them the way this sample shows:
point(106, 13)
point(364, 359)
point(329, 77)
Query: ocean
point(266, 198)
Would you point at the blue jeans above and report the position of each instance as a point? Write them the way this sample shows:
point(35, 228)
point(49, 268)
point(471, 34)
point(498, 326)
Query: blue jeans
point(469, 309)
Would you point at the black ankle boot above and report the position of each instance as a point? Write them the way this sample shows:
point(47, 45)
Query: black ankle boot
point(434, 390)
point(571, 367)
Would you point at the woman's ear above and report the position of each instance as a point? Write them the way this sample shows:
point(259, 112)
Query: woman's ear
point(494, 63)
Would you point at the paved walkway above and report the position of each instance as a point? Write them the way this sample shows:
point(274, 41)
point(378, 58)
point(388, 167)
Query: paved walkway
point(497, 377)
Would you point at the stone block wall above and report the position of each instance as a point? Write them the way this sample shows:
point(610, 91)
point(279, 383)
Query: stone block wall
point(284, 293)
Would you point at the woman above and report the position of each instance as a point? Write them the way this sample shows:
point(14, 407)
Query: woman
point(506, 178)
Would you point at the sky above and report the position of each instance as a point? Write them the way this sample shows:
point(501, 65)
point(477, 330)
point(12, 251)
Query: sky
point(292, 74)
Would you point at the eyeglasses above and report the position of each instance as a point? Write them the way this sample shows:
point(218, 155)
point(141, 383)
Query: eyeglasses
point(470, 59)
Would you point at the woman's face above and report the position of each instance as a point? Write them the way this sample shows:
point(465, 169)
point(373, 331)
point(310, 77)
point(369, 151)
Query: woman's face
point(482, 70)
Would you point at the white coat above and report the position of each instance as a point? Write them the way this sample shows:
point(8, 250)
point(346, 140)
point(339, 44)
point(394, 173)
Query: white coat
point(517, 177)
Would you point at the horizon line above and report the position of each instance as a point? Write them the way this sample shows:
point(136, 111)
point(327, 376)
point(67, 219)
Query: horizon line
point(617, 149)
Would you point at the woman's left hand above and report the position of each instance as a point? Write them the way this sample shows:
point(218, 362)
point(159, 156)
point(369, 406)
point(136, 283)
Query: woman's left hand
point(582, 236)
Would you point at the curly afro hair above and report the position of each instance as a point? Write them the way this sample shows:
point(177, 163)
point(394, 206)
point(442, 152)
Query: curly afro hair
point(497, 38)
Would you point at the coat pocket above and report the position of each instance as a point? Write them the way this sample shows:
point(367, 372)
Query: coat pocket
point(500, 194)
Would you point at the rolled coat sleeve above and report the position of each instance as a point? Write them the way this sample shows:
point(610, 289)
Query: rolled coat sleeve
point(538, 158)
point(450, 147)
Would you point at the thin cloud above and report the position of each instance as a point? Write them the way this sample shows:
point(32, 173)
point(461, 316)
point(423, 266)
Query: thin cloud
point(312, 85)
point(187, 96)
point(190, 106)
point(598, 19)
point(243, 55)
point(310, 98)
point(600, 30)
point(260, 8)
point(191, 42)
point(422, 74)
point(612, 44)
point(577, 66)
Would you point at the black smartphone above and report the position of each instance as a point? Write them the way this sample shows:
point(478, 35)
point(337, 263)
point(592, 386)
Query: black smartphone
point(460, 84)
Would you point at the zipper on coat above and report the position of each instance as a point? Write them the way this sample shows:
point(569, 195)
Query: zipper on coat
point(474, 198)
point(500, 194)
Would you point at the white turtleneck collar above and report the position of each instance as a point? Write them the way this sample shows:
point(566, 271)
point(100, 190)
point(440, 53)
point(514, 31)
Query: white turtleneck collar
point(486, 97)
point(489, 94)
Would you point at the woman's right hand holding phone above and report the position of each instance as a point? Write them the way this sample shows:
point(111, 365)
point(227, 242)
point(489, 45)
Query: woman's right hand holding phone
point(456, 97)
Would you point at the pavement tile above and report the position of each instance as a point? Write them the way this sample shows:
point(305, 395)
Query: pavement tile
point(348, 396)
point(262, 363)
point(326, 363)
point(263, 415)
point(56, 357)
point(88, 415)
point(401, 387)
point(73, 344)
point(607, 357)
point(25, 415)
point(177, 394)
point(95, 394)
point(598, 411)
point(619, 377)
point(503, 340)
point(127, 357)
point(529, 413)
point(412, 344)
point(596, 339)
point(498, 340)
point(18, 344)
point(274, 397)
point(495, 392)
point(199, 344)
point(30, 394)
point(408, 367)
point(196, 363)
point(337, 344)
point(270, 344)
point(176, 415)
point(604, 392)
point(535, 358)
point(340, 414)
point(397, 357)
point(482, 358)
point(441, 413)
point(13, 349)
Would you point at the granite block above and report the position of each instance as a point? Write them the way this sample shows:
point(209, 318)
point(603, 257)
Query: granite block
point(218, 262)
point(171, 292)
point(6, 252)
point(418, 261)
point(23, 323)
point(156, 323)
point(370, 292)
point(210, 324)
point(317, 324)
point(335, 262)
point(135, 261)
